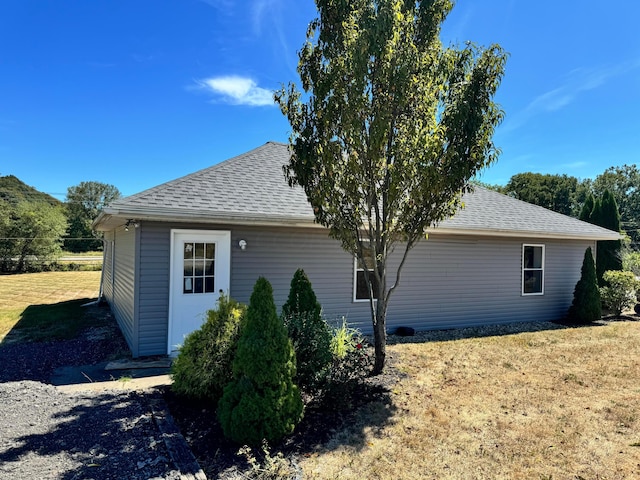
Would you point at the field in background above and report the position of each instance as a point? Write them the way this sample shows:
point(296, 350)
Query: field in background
point(45, 305)
point(554, 404)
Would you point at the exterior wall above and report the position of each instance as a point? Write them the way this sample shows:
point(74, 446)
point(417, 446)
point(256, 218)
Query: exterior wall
point(119, 283)
point(450, 282)
point(107, 266)
point(446, 282)
point(153, 301)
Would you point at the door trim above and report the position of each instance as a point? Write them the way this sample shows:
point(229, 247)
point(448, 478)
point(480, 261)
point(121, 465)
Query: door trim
point(226, 238)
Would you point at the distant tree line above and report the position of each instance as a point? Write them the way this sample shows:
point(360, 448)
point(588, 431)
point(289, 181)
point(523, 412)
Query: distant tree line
point(35, 227)
point(567, 195)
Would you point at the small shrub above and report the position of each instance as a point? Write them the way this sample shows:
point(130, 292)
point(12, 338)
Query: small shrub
point(620, 293)
point(310, 334)
point(265, 466)
point(586, 305)
point(352, 363)
point(301, 298)
point(261, 402)
point(203, 366)
point(311, 337)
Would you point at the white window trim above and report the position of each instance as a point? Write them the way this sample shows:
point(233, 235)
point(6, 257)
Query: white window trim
point(522, 269)
point(356, 269)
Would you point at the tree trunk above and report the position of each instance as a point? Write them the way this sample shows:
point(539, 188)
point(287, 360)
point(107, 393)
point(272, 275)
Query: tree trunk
point(380, 337)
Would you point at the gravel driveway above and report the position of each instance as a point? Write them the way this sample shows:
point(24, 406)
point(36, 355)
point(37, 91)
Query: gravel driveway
point(46, 433)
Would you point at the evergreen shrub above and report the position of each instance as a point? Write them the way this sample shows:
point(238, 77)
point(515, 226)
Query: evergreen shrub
point(310, 334)
point(586, 306)
point(203, 366)
point(261, 402)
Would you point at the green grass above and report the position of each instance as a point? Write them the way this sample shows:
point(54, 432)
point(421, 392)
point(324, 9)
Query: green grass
point(43, 306)
point(82, 254)
point(59, 321)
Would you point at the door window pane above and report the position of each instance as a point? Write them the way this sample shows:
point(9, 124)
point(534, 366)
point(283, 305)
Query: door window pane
point(187, 285)
point(199, 268)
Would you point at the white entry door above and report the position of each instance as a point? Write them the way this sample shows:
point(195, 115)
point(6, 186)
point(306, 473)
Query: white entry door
point(200, 269)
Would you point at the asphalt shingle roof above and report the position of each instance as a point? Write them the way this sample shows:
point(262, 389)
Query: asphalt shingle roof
point(251, 188)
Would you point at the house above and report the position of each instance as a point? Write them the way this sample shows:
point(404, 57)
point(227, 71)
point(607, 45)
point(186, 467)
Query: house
point(169, 250)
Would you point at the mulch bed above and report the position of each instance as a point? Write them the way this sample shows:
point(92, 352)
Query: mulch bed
point(219, 457)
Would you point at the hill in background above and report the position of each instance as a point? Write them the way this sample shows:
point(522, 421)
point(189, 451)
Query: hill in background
point(13, 190)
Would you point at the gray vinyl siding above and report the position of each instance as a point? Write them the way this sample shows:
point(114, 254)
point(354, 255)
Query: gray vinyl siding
point(450, 282)
point(107, 263)
point(447, 281)
point(123, 296)
point(153, 319)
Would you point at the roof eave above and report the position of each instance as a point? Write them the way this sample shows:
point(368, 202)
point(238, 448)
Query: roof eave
point(524, 234)
point(112, 218)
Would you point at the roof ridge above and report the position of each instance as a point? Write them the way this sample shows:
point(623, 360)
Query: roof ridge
point(180, 180)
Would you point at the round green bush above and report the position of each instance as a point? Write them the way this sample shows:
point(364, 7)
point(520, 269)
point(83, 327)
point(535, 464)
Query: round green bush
point(203, 366)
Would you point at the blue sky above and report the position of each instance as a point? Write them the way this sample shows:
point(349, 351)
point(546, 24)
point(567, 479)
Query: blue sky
point(138, 92)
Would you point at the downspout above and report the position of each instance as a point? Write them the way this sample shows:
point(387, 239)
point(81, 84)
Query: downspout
point(100, 290)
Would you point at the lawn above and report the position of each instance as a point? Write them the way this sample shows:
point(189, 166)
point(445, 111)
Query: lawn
point(559, 403)
point(32, 305)
point(552, 404)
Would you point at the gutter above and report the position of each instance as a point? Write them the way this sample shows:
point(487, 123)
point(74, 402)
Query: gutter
point(176, 215)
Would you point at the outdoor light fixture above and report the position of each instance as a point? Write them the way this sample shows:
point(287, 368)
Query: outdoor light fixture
point(242, 244)
point(130, 223)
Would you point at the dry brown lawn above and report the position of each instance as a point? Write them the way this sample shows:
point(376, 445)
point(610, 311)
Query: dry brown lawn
point(18, 292)
point(552, 404)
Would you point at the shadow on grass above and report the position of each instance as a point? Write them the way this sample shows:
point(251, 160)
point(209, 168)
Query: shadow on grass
point(349, 423)
point(101, 437)
point(49, 337)
point(58, 321)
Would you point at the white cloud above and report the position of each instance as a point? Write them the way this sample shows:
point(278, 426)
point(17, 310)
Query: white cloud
point(237, 90)
point(574, 84)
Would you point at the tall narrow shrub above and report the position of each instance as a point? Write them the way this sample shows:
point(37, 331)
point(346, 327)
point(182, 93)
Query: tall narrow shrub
point(310, 334)
point(261, 402)
point(608, 255)
point(587, 208)
point(586, 306)
point(301, 298)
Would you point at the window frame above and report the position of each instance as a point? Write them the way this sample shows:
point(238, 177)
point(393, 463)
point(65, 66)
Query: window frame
point(357, 268)
point(524, 269)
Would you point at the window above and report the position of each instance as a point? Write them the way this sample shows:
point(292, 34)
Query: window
point(199, 268)
point(532, 269)
point(360, 292)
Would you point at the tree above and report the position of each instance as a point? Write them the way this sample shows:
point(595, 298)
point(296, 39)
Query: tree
point(30, 231)
point(262, 401)
point(587, 208)
point(608, 255)
point(586, 305)
point(84, 203)
point(391, 129)
point(559, 193)
point(605, 214)
point(624, 183)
